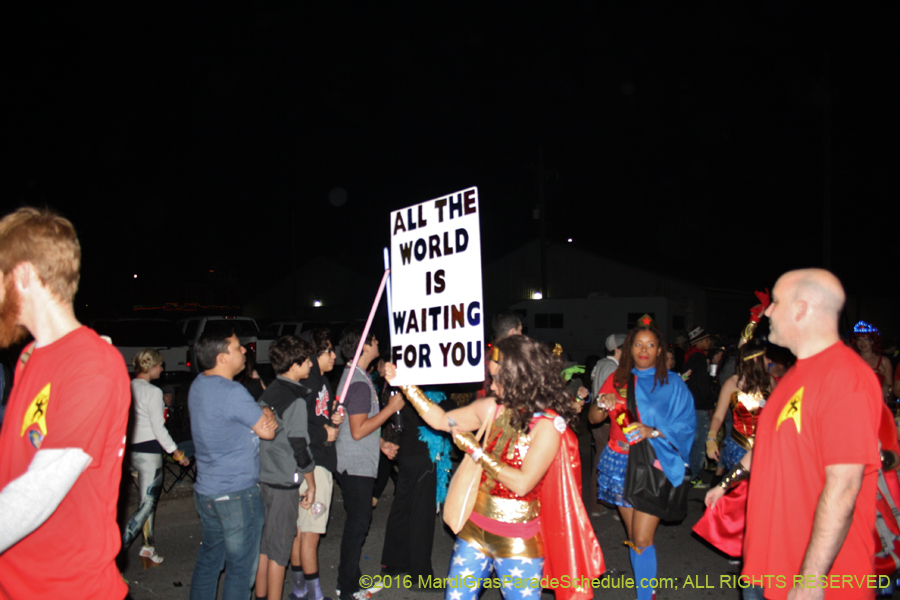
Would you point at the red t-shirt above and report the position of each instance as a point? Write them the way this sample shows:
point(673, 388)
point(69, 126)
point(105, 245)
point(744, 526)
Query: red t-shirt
point(825, 411)
point(73, 393)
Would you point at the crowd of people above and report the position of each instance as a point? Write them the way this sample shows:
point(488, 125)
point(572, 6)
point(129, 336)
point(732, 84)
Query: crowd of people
point(805, 410)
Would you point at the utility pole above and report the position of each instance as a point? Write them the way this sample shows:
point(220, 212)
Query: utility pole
point(542, 215)
point(826, 159)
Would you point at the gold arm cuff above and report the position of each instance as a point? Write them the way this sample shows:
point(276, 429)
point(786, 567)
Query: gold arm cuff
point(491, 465)
point(466, 442)
point(738, 474)
point(506, 510)
point(417, 398)
point(742, 440)
point(178, 455)
point(747, 333)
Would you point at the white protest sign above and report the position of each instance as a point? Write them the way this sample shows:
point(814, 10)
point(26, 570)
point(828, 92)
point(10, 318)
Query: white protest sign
point(437, 334)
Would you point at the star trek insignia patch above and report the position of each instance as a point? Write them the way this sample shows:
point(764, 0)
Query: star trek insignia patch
point(791, 410)
point(36, 414)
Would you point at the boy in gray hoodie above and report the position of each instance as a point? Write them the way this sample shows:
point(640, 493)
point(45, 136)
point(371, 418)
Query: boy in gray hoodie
point(285, 462)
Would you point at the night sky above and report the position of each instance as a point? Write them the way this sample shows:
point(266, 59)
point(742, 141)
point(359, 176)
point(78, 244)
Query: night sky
point(686, 138)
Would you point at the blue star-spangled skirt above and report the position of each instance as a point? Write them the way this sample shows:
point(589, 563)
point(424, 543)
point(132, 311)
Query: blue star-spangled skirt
point(611, 477)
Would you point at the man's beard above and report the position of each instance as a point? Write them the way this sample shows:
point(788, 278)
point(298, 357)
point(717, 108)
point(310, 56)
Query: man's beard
point(10, 331)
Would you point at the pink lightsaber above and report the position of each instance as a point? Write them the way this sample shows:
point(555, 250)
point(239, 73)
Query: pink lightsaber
point(365, 334)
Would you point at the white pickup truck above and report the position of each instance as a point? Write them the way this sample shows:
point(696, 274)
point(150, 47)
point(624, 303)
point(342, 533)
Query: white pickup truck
point(245, 328)
point(130, 336)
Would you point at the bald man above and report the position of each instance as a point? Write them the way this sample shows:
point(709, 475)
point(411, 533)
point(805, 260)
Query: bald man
point(811, 509)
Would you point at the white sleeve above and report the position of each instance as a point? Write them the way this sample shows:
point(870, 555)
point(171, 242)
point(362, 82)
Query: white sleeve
point(29, 500)
point(156, 413)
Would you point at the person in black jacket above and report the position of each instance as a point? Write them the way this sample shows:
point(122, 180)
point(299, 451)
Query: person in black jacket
point(323, 421)
point(700, 384)
point(409, 533)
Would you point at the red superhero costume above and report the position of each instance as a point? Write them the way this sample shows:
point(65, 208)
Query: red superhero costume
point(554, 507)
point(745, 409)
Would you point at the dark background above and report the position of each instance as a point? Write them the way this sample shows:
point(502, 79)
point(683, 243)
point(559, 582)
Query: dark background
point(696, 139)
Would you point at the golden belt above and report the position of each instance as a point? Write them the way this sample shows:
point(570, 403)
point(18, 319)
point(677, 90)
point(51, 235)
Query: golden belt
point(506, 510)
point(742, 440)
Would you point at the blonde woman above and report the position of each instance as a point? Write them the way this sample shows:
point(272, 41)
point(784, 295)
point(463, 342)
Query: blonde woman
point(149, 440)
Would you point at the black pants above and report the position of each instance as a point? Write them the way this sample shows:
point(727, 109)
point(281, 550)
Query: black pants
point(386, 471)
point(356, 492)
point(409, 535)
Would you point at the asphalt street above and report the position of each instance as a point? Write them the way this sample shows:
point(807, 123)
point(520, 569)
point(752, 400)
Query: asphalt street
point(692, 569)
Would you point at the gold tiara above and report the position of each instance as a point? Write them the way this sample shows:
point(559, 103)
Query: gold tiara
point(496, 355)
point(754, 355)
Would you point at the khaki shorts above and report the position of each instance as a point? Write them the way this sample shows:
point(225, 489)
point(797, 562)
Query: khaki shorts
point(308, 522)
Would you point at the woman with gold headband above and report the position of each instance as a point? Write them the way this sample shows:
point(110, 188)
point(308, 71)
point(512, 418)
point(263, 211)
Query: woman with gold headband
point(529, 520)
point(745, 394)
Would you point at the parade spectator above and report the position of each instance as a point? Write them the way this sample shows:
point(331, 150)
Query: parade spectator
point(387, 468)
point(249, 377)
point(409, 533)
point(149, 441)
point(358, 447)
point(64, 430)
point(811, 508)
point(226, 425)
point(285, 462)
point(505, 324)
point(700, 384)
point(324, 420)
point(897, 380)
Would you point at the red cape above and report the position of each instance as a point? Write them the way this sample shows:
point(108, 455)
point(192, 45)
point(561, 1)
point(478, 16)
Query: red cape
point(723, 525)
point(571, 549)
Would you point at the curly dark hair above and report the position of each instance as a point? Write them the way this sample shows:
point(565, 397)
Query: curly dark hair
point(752, 375)
point(531, 378)
point(620, 379)
point(874, 336)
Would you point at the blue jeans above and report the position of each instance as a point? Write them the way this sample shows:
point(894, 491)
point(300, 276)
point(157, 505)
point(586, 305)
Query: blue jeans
point(232, 528)
point(754, 592)
point(698, 450)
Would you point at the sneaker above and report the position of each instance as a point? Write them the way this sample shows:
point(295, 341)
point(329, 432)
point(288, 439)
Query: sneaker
point(699, 484)
point(358, 595)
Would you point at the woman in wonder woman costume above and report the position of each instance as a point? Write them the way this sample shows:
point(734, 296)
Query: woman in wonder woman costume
point(529, 520)
point(745, 394)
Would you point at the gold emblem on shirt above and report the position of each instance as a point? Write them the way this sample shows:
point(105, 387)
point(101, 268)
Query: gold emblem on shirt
point(791, 410)
point(36, 413)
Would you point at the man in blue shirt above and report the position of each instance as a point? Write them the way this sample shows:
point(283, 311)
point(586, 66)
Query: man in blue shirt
point(226, 424)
